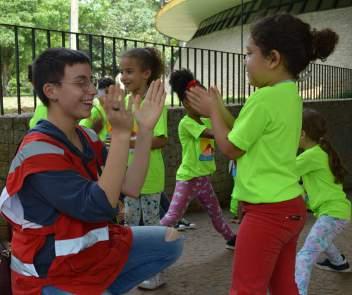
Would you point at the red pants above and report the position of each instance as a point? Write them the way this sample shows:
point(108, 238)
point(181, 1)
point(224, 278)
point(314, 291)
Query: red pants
point(265, 252)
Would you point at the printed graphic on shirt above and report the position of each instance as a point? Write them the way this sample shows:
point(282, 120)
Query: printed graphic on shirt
point(206, 150)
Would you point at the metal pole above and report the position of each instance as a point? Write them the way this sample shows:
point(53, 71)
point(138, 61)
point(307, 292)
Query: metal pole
point(241, 26)
point(74, 23)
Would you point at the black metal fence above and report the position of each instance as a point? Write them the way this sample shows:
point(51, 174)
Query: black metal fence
point(20, 45)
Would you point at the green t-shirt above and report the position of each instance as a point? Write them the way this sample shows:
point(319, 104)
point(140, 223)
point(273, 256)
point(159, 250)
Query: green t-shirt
point(197, 152)
point(325, 197)
point(40, 113)
point(268, 129)
point(97, 114)
point(155, 179)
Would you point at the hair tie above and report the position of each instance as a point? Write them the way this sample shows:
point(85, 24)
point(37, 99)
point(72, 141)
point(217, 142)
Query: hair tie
point(192, 83)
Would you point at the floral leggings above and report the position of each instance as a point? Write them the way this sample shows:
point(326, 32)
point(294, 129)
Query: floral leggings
point(146, 207)
point(200, 188)
point(320, 239)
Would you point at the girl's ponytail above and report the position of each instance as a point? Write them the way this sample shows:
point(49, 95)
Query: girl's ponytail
point(334, 161)
point(314, 125)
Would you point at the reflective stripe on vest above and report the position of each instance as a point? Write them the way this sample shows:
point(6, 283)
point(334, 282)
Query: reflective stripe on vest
point(33, 149)
point(24, 269)
point(72, 246)
point(12, 208)
point(91, 133)
point(64, 247)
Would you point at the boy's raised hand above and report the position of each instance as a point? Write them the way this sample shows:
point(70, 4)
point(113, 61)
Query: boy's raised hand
point(119, 116)
point(148, 113)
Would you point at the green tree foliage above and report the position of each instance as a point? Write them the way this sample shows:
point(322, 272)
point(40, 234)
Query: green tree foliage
point(133, 19)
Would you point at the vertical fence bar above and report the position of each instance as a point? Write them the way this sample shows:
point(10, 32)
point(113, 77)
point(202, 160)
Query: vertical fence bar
point(227, 76)
point(124, 44)
point(233, 77)
point(17, 61)
point(243, 79)
point(63, 39)
point(202, 66)
point(179, 58)
point(102, 56)
point(315, 81)
point(222, 73)
point(209, 66)
point(341, 83)
point(114, 65)
point(238, 78)
point(172, 69)
point(90, 48)
point(195, 62)
point(77, 40)
point(179, 65)
point(2, 111)
point(163, 53)
point(331, 85)
point(319, 82)
point(187, 57)
point(33, 57)
point(216, 68)
point(310, 82)
point(48, 38)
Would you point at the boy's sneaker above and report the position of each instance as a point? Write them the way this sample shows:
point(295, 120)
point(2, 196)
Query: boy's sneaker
point(186, 224)
point(230, 244)
point(153, 283)
point(327, 265)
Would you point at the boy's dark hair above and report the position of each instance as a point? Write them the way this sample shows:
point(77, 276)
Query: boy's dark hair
point(149, 58)
point(294, 40)
point(314, 125)
point(49, 67)
point(105, 82)
point(179, 80)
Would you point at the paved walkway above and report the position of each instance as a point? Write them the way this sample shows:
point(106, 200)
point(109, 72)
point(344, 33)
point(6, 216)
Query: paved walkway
point(205, 267)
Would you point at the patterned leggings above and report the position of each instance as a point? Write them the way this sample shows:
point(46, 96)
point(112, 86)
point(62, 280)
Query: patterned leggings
point(145, 207)
point(200, 188)
point(320, 239)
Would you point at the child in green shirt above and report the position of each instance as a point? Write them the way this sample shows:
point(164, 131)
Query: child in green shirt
point(139, 67)
point(193, 175)
point(264, 141)
point(322, 174)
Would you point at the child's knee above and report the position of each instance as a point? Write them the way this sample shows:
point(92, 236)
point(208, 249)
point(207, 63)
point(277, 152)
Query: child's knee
point(171, 234)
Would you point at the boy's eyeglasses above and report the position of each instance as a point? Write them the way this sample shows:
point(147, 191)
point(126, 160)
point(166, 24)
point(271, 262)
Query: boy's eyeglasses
point(83, 84)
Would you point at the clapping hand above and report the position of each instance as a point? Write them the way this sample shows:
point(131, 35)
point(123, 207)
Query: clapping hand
point(119, 116)
point(148, 113)
point(203, 101)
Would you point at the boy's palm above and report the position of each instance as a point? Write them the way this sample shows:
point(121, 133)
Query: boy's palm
point(118, 115)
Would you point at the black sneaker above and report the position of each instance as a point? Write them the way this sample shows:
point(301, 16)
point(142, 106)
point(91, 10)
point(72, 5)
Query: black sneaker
point(230, 244)
point(327, 265)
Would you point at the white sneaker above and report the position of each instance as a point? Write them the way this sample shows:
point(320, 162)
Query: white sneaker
point(153, 283)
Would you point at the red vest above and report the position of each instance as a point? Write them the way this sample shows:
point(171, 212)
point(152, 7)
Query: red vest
point(89, 256)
